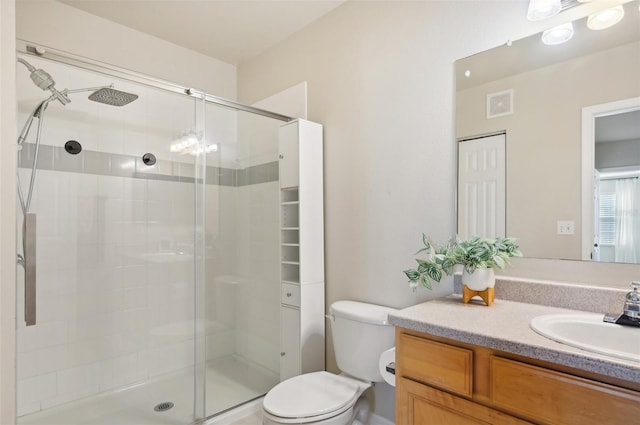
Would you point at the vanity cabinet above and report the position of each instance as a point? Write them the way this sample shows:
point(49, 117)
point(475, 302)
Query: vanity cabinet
point(301, 248)
point(441, 381)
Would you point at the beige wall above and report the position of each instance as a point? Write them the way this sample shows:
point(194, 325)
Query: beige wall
point(56, 25)
point(380, 79)
point(544, 141)
point(7, 213)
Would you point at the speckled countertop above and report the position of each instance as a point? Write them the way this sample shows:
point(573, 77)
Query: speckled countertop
point(505, 326)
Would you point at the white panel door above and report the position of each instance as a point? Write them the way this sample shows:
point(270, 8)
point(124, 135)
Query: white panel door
point(481, 187)
point(595, 254)
point(289, 155)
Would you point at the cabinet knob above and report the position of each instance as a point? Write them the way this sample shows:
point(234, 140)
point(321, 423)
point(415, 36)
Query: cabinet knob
point(282, 354)
point(281, 156)
point(288, 294)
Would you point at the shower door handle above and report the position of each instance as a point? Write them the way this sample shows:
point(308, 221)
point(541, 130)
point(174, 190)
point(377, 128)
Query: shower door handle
point(29, 235)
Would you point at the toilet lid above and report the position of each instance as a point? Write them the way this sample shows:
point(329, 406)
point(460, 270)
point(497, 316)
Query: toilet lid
point(311, 394)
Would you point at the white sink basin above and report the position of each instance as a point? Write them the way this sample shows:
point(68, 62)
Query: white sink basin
point(588, 332)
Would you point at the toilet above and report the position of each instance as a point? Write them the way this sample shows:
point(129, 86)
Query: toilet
point(360, 333)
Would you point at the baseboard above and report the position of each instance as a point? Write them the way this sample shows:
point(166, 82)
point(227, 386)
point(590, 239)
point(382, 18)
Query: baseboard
point(379, 420)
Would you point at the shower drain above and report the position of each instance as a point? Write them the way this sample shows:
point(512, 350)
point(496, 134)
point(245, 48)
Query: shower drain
point(163, 407)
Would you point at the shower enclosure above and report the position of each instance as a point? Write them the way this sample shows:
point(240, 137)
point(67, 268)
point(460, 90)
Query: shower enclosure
point(151, 293)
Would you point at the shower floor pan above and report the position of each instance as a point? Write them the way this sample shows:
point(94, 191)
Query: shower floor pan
point(230, 381)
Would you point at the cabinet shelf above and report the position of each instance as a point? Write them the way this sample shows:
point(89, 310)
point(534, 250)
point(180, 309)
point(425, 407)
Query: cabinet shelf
point(294, 263)
point(290, 244)
point(290, 203)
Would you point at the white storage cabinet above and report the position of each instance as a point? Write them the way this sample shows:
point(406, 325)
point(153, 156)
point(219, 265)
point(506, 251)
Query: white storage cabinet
point(302, 249)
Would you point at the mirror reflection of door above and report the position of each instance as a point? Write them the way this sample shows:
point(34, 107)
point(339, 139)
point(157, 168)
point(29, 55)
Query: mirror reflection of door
point(595, 254)
point(481, 187)
point(617, 162)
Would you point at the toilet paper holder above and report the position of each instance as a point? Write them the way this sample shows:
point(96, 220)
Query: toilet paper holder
point(387, 366)
point(391, 368)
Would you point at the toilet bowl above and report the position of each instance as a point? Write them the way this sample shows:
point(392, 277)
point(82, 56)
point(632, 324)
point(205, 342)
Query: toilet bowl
point(361, 333)
point(316, 398)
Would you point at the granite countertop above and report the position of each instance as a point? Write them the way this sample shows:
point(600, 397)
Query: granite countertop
point(505, 326)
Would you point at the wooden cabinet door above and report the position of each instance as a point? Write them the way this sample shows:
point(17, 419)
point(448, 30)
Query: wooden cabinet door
point(418, 404)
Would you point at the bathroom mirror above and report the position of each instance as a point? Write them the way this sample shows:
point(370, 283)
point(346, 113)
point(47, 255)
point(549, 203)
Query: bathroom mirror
point(543, 97)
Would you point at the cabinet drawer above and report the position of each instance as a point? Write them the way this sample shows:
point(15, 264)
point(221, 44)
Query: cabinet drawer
point(441, 365)
point(553, 397)
point(290, 294)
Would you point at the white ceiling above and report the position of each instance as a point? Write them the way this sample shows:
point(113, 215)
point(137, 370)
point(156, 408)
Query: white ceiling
point(230, 30)
point(617, 127)
point(530, 53)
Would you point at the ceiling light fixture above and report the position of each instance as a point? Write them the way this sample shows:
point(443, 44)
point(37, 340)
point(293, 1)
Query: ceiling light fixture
point(605, 18)
point(541, 9)
point(558, 35)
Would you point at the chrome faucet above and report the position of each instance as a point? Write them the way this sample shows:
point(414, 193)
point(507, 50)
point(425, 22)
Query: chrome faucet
point(631, 311)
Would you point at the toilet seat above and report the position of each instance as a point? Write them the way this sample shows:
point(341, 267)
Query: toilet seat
point(313, 396)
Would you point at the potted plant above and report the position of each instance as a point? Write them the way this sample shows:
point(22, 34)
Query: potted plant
point(478, 256)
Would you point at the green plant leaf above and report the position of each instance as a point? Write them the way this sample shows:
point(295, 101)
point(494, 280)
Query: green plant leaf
point(413, 275)
point(425, 281)
point(434, 273)
point(425, 241)
point(472, 254)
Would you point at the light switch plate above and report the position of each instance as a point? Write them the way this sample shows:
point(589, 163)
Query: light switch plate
point(566, 227)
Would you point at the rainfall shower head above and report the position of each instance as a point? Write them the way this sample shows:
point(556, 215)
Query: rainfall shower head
point(112, 96)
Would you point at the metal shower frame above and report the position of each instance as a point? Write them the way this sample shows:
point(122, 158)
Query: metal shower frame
point(31, 49)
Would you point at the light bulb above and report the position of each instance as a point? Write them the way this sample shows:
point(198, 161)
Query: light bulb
point(558, 35)
point(541, 9)
point(605, 18)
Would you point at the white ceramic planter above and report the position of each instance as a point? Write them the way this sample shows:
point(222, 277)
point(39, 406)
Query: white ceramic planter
point(479, 280)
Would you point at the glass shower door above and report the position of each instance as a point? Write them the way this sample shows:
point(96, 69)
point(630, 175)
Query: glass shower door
point(243, 272)
point(119, 201)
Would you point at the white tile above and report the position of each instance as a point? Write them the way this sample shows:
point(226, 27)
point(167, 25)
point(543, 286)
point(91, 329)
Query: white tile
point(88, 185)
point(111, 186)
point(24, 408)
point(37, 388)
point(78, 379)
point(26, 364)
point(133, 275)
point(135, 297)
point(49, 307)
point(82, 352)
point(83, 328)
point(69, 397)
point(51, 359)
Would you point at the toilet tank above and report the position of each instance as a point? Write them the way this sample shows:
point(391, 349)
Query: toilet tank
point(360, 333)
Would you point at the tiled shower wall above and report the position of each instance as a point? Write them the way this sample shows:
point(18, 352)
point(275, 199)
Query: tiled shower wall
point(115, 278)
point(115, 296)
